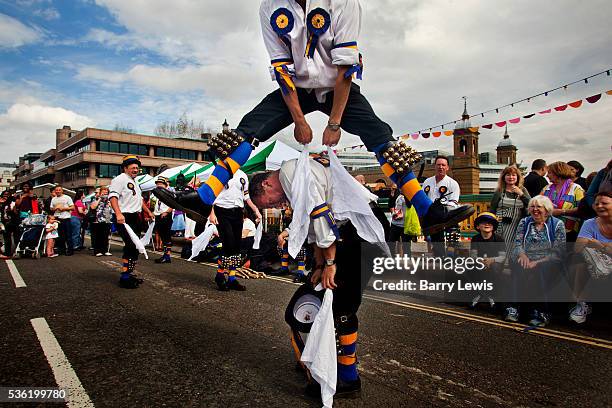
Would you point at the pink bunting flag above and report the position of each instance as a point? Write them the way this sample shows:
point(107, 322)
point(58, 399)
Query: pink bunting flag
point(544, 112)
point(576, 104)
point(500, 124)
point(561, 108)
point(415, 136)
point(594, 98)
point(515, 120)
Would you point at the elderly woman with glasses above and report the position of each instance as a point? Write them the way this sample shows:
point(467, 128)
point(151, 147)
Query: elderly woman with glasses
point(539, 247)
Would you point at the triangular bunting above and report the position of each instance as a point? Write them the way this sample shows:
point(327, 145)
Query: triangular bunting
point(415, 136)
point(576, 104)
point(489, 126)
point(448, 133)
point(437, 134)
point(515, 120)
point(594, 98)
point(609, 92)
point(544, 112)
point(531, 115)
point(473, 129)
point(561, 108)
point(500, 124)
point(425, 135)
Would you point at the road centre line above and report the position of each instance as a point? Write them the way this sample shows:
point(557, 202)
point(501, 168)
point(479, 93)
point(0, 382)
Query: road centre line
point(65, 377)
point(19, 283)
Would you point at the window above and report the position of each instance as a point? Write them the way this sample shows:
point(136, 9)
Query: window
point(175, 153)
point(113, 147)
point(123, 148)
point(107, 170)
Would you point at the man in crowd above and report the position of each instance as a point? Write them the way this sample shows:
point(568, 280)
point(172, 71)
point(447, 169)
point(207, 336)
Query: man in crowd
point(443, 188)
point(227, 215)
point(126, 202)
point(163, 222)
point(314, 55)
point(62, 206)
point(535, 180)
point(10, 220)
point(26, 202)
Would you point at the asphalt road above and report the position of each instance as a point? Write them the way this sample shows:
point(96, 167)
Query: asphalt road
point(178, 342)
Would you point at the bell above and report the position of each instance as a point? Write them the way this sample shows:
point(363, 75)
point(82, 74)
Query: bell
point(396, 155)
point(235, 143)
point(400, 169)
point(223, 153)
point(386, 155)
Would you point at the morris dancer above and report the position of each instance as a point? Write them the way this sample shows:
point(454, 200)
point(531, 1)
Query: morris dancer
point(126, 201)
point(314, 56)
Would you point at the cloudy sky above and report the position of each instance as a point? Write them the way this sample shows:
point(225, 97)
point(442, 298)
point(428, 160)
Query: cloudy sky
point(141, 62)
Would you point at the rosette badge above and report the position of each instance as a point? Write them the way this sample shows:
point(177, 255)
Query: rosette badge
point(282, 21)
point(317, 22)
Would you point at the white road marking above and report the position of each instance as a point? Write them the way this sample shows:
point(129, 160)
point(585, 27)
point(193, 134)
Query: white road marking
point(19, 283)
point(65, 377)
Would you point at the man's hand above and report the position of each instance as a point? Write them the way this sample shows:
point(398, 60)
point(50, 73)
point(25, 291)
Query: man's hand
point(303, 132)
point(120, 219)
point(327, 277)
point(257, 217)
point(213, 219)
point(331, 137)
point(282, 239)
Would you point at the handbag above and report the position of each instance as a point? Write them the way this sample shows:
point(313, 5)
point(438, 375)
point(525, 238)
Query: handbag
point(599, 263)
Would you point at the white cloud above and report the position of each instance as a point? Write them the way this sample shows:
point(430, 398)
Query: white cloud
point(14, 34)
point(31, 128)
point(49, 13)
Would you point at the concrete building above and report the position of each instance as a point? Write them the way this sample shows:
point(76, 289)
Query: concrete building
point(6, 175)
point(91, 157)
point(355, 159)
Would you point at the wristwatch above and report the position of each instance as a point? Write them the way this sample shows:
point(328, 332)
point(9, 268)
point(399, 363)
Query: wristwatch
point(333, 126)
point(330, 262)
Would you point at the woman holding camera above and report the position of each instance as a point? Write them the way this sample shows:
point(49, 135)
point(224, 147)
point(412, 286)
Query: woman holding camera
point(509, 203)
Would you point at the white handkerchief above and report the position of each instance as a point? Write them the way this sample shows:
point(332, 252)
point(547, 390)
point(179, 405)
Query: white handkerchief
point(146, 240)
point(302, 202)
point(320, 351)
point(136, 241)
point(258, 234)
point(189, 227)
point(201, 242)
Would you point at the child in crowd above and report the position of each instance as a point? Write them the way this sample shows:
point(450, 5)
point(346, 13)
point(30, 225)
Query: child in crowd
point(488, 245)
point(51, 235)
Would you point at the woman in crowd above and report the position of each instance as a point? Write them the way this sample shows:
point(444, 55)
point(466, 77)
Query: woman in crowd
point(10, 219)
point(578, 169)
point(509, 204)
point(102, 225)
point(76, 220)
point(565, 196)
point(536, 260)
point(595, 233)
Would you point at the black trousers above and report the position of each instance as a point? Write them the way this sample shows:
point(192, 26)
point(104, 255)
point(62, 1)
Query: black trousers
point(230, 229)
point(271, 116)
point(100, 232)
point(64, 241)
point(129, 249)
point(11, 238)
point(163, 226)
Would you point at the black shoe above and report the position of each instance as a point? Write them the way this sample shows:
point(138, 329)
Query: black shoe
point(439, 217)
point(164, 259)
point(348, 389)
point(69, 253)
point(313, 390)
point(188, 201)
point(129, 283)
point(235, 285)
point(279, 272)
point(221, 284)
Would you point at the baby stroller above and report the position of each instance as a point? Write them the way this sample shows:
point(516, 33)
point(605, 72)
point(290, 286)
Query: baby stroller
point(33, 232)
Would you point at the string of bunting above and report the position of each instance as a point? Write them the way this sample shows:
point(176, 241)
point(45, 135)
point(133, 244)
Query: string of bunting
point(576, 104)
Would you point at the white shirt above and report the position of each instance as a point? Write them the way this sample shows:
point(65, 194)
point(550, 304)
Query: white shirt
point(235, 193)
point(127, 191)
point(434, 190)
point(320, 71)
point(319, 231)
point(64, 201)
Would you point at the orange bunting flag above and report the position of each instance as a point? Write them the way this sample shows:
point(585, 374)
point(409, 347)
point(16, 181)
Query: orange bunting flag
point(437, 134)
point(609, 92)
point(473, 129)
point(448, 133)
point(404, 136)
point(576, 104)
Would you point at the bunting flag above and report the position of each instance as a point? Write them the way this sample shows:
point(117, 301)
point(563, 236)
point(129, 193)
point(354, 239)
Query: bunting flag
point(426, 135)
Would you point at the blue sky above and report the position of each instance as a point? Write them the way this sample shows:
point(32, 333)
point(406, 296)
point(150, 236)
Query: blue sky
point(138, 63)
